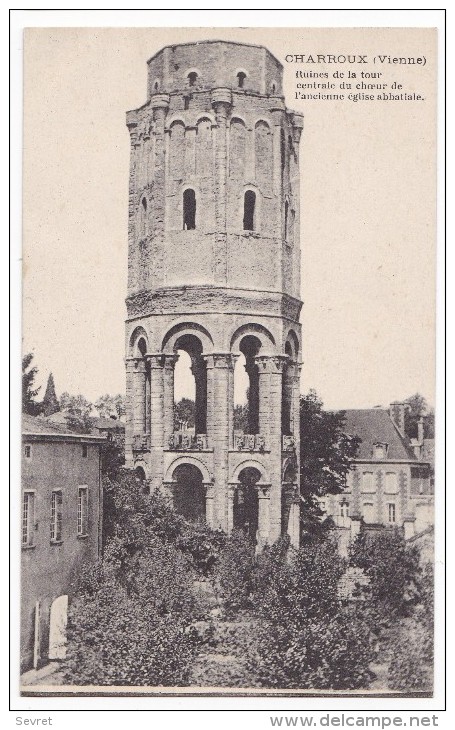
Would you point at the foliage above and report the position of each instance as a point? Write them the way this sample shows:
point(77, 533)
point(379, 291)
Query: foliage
point(202, 545)
point(393, 569)
point(326, 453)
point(50, 403)
point(29, 392)
point(129, 622)
point(78, 409)
point(184, 412)
point(112, 456)
point(417, 406)
point(241, 417)
point(110, 405)
point(411, 666)
point(307, 638)
point(234, 572)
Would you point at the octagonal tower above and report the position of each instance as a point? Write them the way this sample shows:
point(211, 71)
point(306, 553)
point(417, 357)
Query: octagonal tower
point(214, 270)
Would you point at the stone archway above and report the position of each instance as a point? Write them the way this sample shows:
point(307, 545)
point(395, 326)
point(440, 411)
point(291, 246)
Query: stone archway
point(246, 503)
point(189, 492)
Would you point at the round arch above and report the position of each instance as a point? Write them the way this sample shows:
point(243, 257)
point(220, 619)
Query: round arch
point(137, 334)
point(263, 120)
point(140, 464)
point(187, 460)
point(293, 340)
point(238, 118)
point(257, 330)
point(186, 328)
point(250, 464)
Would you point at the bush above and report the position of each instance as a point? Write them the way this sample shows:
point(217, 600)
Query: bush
point(129, 622)
point(320, 653)
point(234, 572)
point(307, 639)
point(412, 644)
point(393, 569)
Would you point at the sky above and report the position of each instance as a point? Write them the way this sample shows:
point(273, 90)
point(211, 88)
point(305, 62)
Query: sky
point(367, 209)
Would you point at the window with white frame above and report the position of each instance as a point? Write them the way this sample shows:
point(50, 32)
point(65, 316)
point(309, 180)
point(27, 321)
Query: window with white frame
point(27, 451)
point(391, 482)
point(82, 511)
point(380, 451)
point(368, 512)
point(392, 512)
point(28, 517)
point(344, 509)
point(367, 481)
point(56, 516)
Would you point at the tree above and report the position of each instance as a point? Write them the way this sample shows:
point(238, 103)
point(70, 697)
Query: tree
point(184, 411)
point(326, 454)
point(50, 403)
point(110, 405)
point(29, 392)
point(241, 419)
point(417, 406)
point(307, 638)
point(78, 409)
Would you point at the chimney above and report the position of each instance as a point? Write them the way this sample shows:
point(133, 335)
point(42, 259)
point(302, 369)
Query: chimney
point(397, 415)
point(420, 435)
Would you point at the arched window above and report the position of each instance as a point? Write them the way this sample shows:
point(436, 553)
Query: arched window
point(241, 76)
point(273, 87)
point(192, 78)
point(286, 211)
point(156, 85)
point(249, 204)
point(189, 210)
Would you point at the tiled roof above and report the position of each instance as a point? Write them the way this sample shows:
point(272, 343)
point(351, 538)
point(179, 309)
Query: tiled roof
point(374, 425)
point(37, 425)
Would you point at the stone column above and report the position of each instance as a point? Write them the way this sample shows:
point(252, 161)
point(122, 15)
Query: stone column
point(264, 532)
point(223, 364)
point(276, 365)
point(277, 116)
point(221, 102)
point(160, 106)
point(294, 518)
point(129, 404)
point(209, 503)
point(156, 421)
point(210, 397)
point(198, 368)
point(230, 507)
point(264, 397)
point(139, 380)
point(168, 397)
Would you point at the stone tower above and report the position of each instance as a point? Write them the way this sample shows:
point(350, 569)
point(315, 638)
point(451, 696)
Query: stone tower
point(214, 270)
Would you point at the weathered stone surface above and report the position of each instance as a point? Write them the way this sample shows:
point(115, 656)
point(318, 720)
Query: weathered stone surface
point(214, 269)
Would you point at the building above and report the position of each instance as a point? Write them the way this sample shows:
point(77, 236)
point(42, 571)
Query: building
point(214, 272)
point(391, 480)
point(61, 530)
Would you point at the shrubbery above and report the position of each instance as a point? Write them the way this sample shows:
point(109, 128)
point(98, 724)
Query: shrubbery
point(138, 617)
point(398, 606)
point(307, 639)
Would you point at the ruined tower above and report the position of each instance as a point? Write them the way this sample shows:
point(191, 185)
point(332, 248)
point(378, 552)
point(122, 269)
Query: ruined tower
point(214, 271)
